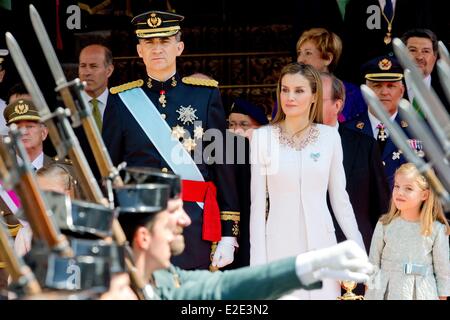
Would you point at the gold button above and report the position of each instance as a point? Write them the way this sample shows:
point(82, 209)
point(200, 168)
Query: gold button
point(164, 170)
point(163, 116)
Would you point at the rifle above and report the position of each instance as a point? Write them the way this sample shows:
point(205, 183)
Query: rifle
point(16, 267)
point(429, 102)
point(60, 131)
point(78, 105)
point(67, 140)
point(443, 67)
point(19, 173)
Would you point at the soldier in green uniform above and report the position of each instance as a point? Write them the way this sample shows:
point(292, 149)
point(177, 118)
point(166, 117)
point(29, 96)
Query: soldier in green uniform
point(344, 261)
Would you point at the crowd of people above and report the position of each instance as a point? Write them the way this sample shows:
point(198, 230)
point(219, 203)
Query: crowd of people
point(250, 206)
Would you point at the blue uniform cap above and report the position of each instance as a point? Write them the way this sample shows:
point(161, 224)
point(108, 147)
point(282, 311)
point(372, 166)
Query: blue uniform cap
point(382, 69)
point(253, 111)
point(157, 24)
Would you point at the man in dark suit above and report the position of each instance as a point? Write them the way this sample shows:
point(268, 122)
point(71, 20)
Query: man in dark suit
point(366, 182)
point(423, 46)
point(95, 67)
point(167, 122)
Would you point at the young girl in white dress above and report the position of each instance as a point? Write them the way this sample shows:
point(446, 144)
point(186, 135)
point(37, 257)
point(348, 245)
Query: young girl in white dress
point(297, 160)
point(410, 244)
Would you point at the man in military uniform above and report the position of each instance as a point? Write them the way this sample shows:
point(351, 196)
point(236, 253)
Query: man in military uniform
point(24, 114)
point(384, 76)
point(166, 122)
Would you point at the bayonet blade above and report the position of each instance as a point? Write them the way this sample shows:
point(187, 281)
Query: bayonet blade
point(47, 46)
point(428, 100)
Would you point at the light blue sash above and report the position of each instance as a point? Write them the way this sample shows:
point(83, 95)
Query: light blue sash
point(160, 134)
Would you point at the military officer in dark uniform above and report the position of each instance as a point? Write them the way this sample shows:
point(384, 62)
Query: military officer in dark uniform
point(384, 76)
point(169, 122)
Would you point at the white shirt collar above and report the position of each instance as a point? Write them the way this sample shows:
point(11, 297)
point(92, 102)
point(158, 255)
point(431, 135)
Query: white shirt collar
point(383, 3)
point(162, 80)
point(38, 162)
point(102, 100)
point(374, 122)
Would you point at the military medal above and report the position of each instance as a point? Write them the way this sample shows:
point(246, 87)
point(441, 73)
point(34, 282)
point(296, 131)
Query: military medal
point(162, 98)
point(187, 114)
point(189, 144)
point(395, 155)
point(387, 37)
point(178, 132)
point(420, 151)
point(198, 132)
point(381, 133)
point(416, 145)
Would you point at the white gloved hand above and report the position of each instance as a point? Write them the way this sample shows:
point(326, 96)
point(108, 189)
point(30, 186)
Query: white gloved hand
point(344, 261)
point(224, 254)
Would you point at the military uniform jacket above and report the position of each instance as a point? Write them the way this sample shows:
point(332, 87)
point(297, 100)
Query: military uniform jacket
point(178, 101)
point(391, 156)
point(268, 281)
point(367, 185)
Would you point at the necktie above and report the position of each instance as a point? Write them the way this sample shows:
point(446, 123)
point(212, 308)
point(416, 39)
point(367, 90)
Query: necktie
point(96, 114)
point(381, 137)
point(388, 10)
point(416, 107)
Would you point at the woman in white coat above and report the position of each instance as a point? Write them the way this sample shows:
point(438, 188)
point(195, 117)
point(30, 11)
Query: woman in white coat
point(296, 160)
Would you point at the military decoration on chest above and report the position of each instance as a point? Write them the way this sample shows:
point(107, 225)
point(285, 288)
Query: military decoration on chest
point(417, 146)
point(162, 93)
point(187, 116)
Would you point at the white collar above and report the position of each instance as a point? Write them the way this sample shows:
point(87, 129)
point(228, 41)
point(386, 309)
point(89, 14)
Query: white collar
point(39, 161)
point(383, 3)
point(374, 122)
point(162, 80)
point(102, 99)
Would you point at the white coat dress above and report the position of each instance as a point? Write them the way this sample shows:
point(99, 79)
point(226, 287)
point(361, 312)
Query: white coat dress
point(297, 182)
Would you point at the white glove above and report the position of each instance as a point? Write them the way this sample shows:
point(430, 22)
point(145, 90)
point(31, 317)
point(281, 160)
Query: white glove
point(344, 261)
point(224, 254)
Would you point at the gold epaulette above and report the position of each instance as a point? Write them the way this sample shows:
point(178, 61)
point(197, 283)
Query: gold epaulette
point(127, 86)
point(230, 215)
point(200, 82)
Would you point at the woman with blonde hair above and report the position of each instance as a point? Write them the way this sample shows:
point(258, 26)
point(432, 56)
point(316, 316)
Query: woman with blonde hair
point(297, 160)
point(322, 49)
point(410, 244)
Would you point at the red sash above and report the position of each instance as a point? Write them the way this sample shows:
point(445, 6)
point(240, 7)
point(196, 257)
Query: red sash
point(199, 191)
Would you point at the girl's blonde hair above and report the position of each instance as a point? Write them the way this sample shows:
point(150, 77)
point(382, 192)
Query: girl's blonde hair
point(431, 208)
point(315, 82)
point(60, 175)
